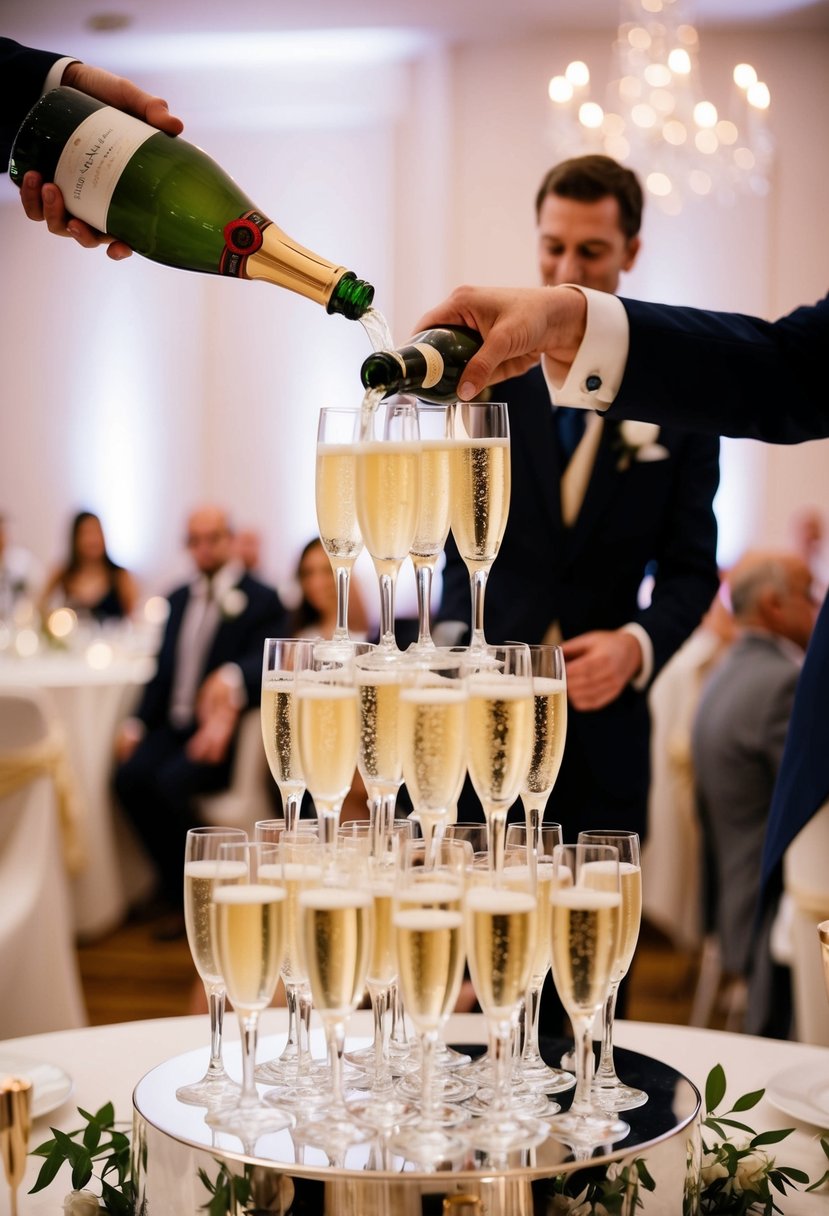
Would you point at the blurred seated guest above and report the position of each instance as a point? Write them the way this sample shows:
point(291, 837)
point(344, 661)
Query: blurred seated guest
point(672, 853)
point(247, 546)
point(809, 541)
point(737, 744)
point(180, 741)
point(21, 575)
point(316, 615)
point(90, 582)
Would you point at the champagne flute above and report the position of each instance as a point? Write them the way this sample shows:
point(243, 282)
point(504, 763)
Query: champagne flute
point(585, 930)
point(378, 760)
point(249, 932)
point(334, 946)
point(608, 1090)
point(15, 1126)
point(549, 734)
point(428, 933)
point(283, 657)
point(500, 733)
point(433, 737)
point(202, 868)
point(534, 1071)
point(388, 490)
point(301, 867)
point(337, 434)
point(328, 723)
point(480, 494)
point(501, 920)
point(433, 513)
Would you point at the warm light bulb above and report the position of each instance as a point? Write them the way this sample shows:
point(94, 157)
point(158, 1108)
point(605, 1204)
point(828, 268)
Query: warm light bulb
point(61, 622)
point(617, 147)
point(559, 89)
point(630, 87)
point(639, 38)
point(727, 132)
point(591, 115)
point(705, 114)
point(687, 34)
point(658, 184)
point(759, 96)
point(744, 75)
point(643, 116)
point(577, 73)
point(675, 132)
point(706, 141)
point(657, 75)
point(652, 6)
point(744, 158)
point(662, 101)
point(679, 61)
point(613, 124)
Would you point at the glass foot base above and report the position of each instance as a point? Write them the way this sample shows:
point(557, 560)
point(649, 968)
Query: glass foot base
point(587, 1130)
point(429, 1146)
point(496, 1134)
point(540, 1076)
point(618, 1096)
point(211, 1091)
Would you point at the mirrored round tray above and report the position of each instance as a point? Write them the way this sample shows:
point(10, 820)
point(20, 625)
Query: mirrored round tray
point(181, 1164)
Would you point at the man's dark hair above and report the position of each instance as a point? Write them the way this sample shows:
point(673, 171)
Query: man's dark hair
point(589, 178)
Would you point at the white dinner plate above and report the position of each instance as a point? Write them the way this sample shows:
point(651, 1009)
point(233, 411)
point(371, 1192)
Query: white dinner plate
point(50, 1085)
point(803, 1093)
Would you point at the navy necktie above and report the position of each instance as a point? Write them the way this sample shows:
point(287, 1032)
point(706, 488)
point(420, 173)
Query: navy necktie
point(570, 424)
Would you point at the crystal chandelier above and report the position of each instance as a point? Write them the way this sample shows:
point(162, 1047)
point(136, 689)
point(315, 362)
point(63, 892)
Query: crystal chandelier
point(656, 117)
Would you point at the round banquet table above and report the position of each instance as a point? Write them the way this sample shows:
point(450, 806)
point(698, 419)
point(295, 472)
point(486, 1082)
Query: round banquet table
point(106, 1063)
point(90, 702)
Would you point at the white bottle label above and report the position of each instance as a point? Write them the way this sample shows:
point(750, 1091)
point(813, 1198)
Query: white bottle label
point(434, 364)
point(93, 159)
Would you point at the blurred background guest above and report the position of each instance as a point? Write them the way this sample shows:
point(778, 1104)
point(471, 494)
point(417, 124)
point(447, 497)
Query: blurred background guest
point(247, 546)
point(316, 613)
point(21, 574)
point(180, 741)
point(737, 744)
point(809, 541)
point(89, 581)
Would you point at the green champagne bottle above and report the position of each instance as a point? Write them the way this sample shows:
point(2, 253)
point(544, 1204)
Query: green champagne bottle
point(429, 366)
point(168, 200)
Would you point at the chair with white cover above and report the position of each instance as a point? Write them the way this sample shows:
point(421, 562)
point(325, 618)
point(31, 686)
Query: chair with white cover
point(246, 799)
point(806, 883)
point(38, 960)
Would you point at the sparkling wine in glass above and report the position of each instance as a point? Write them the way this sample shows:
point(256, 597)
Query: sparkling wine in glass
point(379, 760)
point(282, 659)
point(500, 733)
point(428, 932)
point(335, 490)
point(608, 1090)
point(549, 734)
point(480, 494)
point(249, 932)
point(586, 925)
point(202, 868)
point(388, 498)
point(434, 510)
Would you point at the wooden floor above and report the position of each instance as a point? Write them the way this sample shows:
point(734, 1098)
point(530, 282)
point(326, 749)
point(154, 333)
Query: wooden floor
point(128, 975)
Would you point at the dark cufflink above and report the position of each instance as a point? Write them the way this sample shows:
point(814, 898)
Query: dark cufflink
point(593, 384)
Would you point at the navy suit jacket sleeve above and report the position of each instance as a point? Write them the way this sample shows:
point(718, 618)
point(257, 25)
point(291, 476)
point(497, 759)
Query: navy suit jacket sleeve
point(726, 373)
point(22, 72)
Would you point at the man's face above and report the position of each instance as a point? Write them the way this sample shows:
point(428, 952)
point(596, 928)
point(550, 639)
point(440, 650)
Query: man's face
point(209, 541)
point(797, 610)
point(583, 243)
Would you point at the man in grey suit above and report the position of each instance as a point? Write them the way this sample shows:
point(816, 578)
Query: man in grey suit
point(738, 736)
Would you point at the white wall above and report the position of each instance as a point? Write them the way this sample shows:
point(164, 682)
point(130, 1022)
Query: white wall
point(138, 390)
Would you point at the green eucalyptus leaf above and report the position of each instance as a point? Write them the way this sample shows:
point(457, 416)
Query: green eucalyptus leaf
point(715, 1087)
point(48, 1170)
point(748, 1100)
point(771, 1137)
point(81, 1170)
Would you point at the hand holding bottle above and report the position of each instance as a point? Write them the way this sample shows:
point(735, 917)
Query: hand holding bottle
point(44, 201)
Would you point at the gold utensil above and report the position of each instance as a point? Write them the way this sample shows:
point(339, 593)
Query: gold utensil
point(15, 1125)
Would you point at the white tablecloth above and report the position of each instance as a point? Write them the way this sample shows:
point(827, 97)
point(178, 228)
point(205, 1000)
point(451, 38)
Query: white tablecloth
point(90, 702)
point(106, 1062)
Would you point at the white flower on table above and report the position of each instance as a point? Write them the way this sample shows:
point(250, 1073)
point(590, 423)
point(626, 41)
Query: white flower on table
point(82, 1203)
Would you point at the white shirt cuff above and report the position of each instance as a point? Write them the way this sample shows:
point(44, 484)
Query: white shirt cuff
point(55, 73)
point(231, 675)
point(593, 378)
point(641, 679)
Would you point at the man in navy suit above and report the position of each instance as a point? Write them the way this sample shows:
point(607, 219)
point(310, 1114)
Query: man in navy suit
point(26, 75)
point(724, 373)
point(180, 742)
point(585, 526)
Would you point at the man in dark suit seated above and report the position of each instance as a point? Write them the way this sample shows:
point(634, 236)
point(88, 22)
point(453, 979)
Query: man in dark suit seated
point(590, 514)
point(737, 745)
point(180, 741)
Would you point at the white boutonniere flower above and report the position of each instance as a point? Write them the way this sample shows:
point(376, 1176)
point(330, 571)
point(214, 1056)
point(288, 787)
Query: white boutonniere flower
point(637, 443)
point(82, 1203)
point(233, 603)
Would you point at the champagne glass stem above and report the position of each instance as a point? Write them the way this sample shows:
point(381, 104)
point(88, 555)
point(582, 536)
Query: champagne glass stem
point(532, 816)
point(388, 805)
point(500, 1052)
point(304, 1007)
point(531, 1054)
point(428, 1046)
point(328, 820)
point(249, 1031)
point(497, 836)
point(291, 1048)
point(387, 581)
point(292, 804)
point(477, 583)
point(582, 1030)
point(423, 571)
point(398, 1023)
point(216, 1007)
point(379, 994)
point(343, 580)
point(606, 1072)
point(335, 1041)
